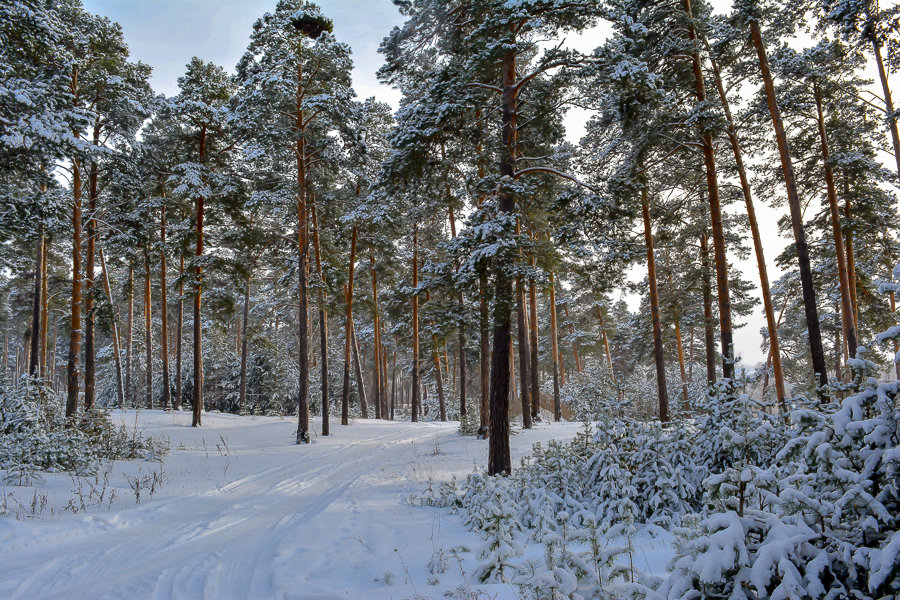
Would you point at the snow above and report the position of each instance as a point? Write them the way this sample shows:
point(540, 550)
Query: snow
point(242, 512)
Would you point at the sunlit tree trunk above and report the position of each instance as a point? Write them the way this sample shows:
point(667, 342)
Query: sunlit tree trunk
point(802, 249)
point(715, 210)
point(847, 317)
point(774, 341)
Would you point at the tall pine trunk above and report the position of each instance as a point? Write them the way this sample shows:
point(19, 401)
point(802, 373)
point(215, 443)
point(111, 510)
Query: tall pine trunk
point(75, 335)
point(303, 262)
point(379, 349)
point(129, 347)
point(148, 329)
point(524, 367)
point(197, 399)
point(888, 101)
point(484, 352)
point(768, 307)
point(654, 312)
point(847, 321)
point(499, 461)
point(533, 343)
point(45, 306)
point(414, 409)
point(323, 318)
point(554, 341)
point(709, 335)
point(348, 326)
point(809, 294)
point(715, 209)
point(34, 367)
point(179, 325)
point(90, 353)
point(164, 310)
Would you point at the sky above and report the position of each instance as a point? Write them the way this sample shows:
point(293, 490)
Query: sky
point(167, 33)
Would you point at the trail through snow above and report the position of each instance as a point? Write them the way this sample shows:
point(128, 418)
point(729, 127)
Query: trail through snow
point(245, 513)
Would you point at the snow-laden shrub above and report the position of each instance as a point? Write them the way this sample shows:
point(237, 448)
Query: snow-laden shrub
point(821, 520)
point(35, 436)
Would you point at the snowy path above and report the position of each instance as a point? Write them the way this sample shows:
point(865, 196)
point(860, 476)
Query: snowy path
point(258, 517)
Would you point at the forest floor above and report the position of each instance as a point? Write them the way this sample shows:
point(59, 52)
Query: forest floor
point(237, 510)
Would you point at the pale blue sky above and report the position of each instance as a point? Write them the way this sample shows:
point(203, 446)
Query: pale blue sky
point(167, 33)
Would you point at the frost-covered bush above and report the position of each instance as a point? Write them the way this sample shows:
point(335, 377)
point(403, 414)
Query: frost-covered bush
point(35, 436)
point(821, 520)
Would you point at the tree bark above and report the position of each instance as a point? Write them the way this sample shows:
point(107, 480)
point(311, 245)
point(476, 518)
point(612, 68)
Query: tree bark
point(684, 384)
point(774, 341)
point(148, 329)
point(360, 383)
point(888, 102)
point(348, 326)
point(654, 312)
point(533, 342)
point(90, 353)
point(851, 265)
point(524, 367)
point(847, 321)
point(715, 209)
point(323, 318)
point(809, 294)
point(414, 409)
point(75, 336)
point(554, 340)
point(34, 366)
point(303, 262)
point(117, 355)
point(376, 320)
point(164, 310)
point(129, 389)
point(197, 399)
point(484, 356)
point(499, 461)
point(708, 332)
point(179, 325)
point(45, 306)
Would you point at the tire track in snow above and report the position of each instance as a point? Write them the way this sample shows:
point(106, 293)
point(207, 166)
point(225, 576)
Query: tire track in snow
point(251, 523)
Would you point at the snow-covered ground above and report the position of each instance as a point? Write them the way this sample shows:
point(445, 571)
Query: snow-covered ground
point(239, 511)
